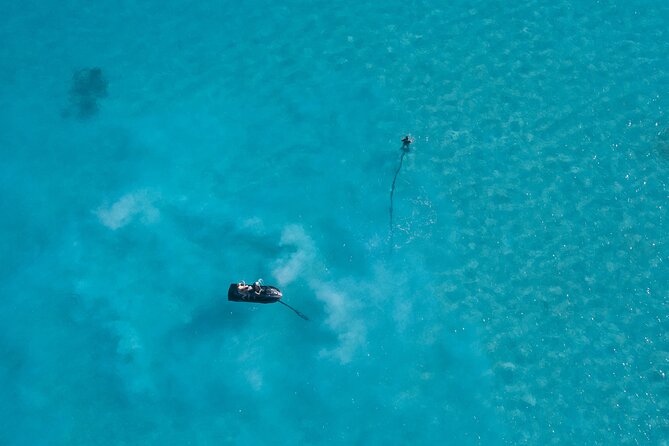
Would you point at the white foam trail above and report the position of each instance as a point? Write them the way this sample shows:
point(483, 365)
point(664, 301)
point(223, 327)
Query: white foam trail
point(133, 361)
point(124, 211)
point(287, 269)
point(255, 379)
point(342, 319)
point(342, 310)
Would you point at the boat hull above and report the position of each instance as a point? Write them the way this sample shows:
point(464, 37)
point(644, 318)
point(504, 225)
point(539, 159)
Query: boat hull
point(268, 295)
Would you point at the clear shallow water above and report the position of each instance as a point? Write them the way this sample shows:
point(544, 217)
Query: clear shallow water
point(522, 300)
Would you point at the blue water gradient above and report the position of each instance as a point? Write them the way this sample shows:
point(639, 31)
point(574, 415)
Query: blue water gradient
point(519, 295)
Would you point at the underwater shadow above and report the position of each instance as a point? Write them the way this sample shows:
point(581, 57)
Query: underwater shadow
point(215, 318)
point(662, 144)
point(88, 87)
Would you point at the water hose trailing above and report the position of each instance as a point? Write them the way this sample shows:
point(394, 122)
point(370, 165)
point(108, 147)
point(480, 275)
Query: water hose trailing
point(392, 189)
point(406, 141)
point(300, 314)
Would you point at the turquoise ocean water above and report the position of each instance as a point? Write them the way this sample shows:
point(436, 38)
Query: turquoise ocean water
point(520, 295)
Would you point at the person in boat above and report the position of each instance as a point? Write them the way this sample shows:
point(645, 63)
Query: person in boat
point(406, 142)
point(243, 287)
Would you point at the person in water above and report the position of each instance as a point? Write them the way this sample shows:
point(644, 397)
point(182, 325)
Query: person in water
point(406, 142)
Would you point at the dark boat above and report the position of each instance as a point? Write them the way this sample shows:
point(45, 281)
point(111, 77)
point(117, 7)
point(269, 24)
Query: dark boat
point(266, 295)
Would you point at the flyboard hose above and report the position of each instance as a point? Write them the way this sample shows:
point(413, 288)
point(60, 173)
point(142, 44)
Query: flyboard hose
point(406, 141)
point(300, 314)
point(392, 189)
